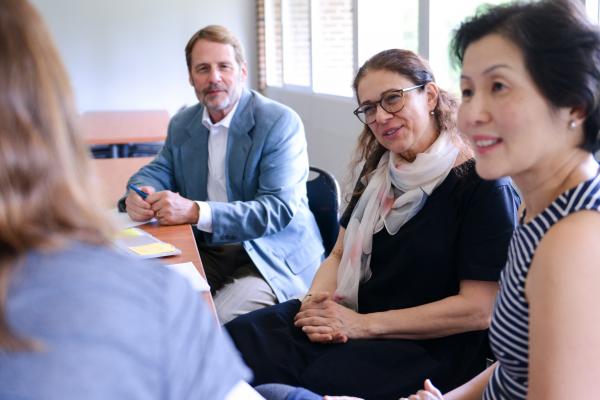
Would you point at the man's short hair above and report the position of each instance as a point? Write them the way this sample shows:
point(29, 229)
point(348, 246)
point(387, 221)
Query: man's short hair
point(217, 34)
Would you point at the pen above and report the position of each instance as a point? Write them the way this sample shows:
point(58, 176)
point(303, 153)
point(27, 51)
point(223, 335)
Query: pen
point(139, 191)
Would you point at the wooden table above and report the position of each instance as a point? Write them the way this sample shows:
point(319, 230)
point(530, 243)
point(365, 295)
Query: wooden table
point(113, 174)
point(182, 237)
point(120, 128)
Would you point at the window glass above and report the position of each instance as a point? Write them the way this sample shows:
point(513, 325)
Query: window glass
point(273, 43)
point(591, 6)
point(444, 18)
point(333, 51)
point(387, 24)
point(296, 42)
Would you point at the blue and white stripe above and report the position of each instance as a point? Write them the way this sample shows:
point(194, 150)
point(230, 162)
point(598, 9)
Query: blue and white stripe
point(509, 331)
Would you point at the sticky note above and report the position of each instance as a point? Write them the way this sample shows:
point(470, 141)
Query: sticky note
point(153, 248)
point(130, 232)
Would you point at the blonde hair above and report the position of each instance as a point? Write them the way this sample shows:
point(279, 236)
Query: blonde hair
point(47, 195)
point(216, 34)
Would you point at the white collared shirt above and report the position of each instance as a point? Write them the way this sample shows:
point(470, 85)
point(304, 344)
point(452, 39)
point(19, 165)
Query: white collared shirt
point(216, 184)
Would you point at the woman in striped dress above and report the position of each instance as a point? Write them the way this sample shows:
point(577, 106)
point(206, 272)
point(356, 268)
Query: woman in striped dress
point(531, 106)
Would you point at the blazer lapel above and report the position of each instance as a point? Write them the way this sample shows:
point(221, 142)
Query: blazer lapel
point(195, 159)
point(239, 143)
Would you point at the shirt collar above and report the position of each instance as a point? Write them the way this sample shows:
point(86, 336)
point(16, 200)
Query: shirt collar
point(225, 122)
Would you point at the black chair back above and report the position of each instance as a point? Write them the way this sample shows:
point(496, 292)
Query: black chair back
point(324, 197)
point(144, 149)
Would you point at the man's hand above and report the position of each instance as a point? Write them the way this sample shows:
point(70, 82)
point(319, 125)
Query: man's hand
point(325, 321)
point(137, 208)
point(172, 209)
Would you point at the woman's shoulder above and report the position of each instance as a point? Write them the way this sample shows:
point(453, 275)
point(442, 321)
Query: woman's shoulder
point(80, 258)
point(467, 183)
point(574, 237)
point(124, 316)
point(565, 264)
point(85, 273)
point(118, 290)
point(487, 202)
point(467, 172)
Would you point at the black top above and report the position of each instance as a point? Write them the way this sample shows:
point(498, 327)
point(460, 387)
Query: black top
point(462, 232)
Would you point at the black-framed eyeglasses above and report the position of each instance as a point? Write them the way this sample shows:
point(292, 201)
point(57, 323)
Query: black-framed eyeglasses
point(392, 101)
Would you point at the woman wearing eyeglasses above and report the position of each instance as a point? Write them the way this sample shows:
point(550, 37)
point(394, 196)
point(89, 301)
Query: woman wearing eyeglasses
point(409, 287)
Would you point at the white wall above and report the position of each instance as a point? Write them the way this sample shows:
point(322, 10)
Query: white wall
point(331, 128)
point(129, 54)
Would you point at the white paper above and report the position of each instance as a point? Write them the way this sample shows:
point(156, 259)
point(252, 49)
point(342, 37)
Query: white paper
point(122, 221)
point(189, 272)
point(243, 391)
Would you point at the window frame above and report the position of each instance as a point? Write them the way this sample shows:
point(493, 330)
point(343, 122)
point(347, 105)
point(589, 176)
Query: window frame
point(591, 6)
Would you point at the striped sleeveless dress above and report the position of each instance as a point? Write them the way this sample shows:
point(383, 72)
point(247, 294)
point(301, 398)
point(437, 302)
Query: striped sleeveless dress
point(509, 330)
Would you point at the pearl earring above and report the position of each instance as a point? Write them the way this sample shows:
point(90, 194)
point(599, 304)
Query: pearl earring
point(432, 112)
point(572, 124)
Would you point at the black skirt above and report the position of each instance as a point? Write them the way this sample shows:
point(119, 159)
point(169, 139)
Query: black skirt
point(278, 352)
point(461, 233)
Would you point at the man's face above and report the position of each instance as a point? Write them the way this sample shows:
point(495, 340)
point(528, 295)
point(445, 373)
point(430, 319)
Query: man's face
point(216, 76)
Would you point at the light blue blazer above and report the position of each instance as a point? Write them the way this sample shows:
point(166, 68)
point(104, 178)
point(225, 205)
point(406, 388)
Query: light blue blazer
point(267, 168)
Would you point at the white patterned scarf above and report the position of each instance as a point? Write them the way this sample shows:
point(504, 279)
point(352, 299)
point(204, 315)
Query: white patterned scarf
point(395, 193)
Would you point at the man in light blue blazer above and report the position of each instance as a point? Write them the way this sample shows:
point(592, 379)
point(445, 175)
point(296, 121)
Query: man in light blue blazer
point(235, 167)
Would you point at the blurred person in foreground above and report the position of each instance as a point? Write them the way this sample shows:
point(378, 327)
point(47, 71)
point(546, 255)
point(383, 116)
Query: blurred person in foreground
point(77, 319)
